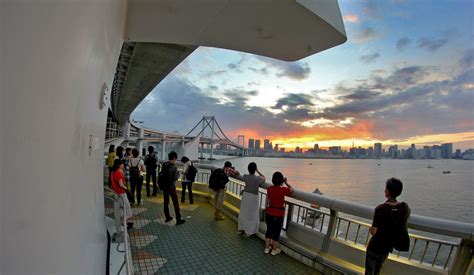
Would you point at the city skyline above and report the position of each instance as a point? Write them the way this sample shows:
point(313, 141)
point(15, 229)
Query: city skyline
point(405, 75)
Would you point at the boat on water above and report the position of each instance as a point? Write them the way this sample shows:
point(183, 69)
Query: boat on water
point(429, 166)
point(447, 172)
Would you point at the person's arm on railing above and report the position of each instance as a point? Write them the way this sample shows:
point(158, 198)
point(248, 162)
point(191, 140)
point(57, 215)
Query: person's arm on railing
point(262, 177)
point(289, 186)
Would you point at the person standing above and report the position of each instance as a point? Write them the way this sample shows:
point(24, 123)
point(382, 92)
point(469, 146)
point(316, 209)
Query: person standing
point(249, 205)
point(151, 163)
point(185, 182)
point(388, 225)
point(275, 212)
point(118, 185)
point(219, 193)
point(137, 168)
point(110, 163)
point(169, 175)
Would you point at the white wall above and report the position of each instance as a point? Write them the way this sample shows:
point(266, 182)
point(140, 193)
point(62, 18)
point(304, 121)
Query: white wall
point(55, 57)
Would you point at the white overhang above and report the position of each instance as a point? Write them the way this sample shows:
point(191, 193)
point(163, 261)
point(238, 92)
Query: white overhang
point(283, 29)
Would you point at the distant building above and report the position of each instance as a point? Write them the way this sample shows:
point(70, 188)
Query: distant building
point(393, 151)
point(267, 145)
point(251, 144)
point(276, 148)
point(436, 152)
point(458, 154)
point(447, 150)
point(427, 152)
point(316, 147)
point(257, 145)
point(335, 150)
point(377, 149)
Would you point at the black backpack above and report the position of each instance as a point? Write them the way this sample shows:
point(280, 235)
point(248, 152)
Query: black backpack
point(218, 179)
point(164, 177)
point(402, 239)
point(150, 161)
point(191, 173)
point(135, 170)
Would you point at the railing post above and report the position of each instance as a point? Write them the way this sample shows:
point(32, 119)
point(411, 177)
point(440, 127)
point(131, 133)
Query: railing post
point(330, 232)
point(289, 215)
point(463, 257)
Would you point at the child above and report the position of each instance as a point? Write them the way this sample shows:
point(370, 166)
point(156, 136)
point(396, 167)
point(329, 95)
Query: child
point(275, 212)
point(389, 219)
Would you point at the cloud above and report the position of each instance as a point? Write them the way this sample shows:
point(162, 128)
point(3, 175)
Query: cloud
point(467, 59)
point(263, 71)
point(402, 43)
point(292, 70)
point(353, 18)
point(369, 58)
point(372, 9)
point(293, 100)
point(361, 95)
point(239, 97)
point(431, 45)
point(365, 34)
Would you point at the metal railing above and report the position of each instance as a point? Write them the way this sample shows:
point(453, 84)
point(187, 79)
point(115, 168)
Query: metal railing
point(122, 234)
point(334, 219)
point(112, 130)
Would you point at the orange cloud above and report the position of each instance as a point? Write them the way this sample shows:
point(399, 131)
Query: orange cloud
point(353, 18)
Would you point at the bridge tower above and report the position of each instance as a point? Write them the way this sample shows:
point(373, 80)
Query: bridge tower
point(241, 138)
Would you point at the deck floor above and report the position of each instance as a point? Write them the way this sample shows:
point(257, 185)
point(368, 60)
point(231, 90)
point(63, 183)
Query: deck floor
point(200, 246)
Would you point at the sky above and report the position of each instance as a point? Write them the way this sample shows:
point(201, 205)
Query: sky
point(405, 75)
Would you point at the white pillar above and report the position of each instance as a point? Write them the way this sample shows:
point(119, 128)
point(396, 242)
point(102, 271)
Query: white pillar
point(163, 148)
point(55, 58)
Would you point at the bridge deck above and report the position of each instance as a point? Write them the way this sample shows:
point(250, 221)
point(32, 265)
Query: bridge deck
point(201, 245)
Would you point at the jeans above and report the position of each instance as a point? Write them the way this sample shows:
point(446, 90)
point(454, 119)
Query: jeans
point(136, 185)
point(189, 185)
point(167, 193)
point(373, 263)
point(151, 173)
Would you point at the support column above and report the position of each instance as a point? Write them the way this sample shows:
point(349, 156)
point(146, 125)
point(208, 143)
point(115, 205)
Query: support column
point(140, 140)
point(163, 147)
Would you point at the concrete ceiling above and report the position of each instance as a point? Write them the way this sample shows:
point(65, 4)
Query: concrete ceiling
point(284, 29)
point(140, 68)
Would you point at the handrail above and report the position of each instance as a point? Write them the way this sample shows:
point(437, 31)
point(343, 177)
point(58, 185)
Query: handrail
point(126, 240)
point(429, 224)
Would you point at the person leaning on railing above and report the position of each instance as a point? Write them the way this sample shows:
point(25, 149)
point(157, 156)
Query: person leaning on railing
point(275, 212)
point(249, 205)
point(388, 228)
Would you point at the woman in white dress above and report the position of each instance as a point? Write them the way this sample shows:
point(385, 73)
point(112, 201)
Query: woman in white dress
point(249, 218)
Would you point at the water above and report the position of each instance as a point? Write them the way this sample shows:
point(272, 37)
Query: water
point(429, 192)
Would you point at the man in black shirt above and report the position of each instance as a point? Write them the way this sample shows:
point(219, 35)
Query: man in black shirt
point(389, 220)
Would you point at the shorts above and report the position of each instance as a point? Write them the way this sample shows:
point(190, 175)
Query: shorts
point(274, 225)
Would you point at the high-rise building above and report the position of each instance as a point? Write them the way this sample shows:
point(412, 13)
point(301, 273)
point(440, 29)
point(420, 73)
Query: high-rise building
point(257, 145)
point(393, 151)
point(335, 150)
point(447, 150)
point(267, 145)
point(427, 152)
point(377, 149)
point(251, 146)
point(316, 146)
point(297, 149)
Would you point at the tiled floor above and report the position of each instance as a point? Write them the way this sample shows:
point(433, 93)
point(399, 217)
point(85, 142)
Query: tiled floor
point(200, 246)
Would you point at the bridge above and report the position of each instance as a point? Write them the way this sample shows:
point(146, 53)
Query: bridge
point(206, 133)
point(63, 73)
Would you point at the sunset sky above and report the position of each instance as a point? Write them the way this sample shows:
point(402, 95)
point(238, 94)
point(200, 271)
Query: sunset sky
point(405, 75)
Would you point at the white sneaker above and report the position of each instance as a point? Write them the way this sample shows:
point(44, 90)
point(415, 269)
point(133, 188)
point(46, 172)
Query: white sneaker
point(267, 250)
point(276, 251)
